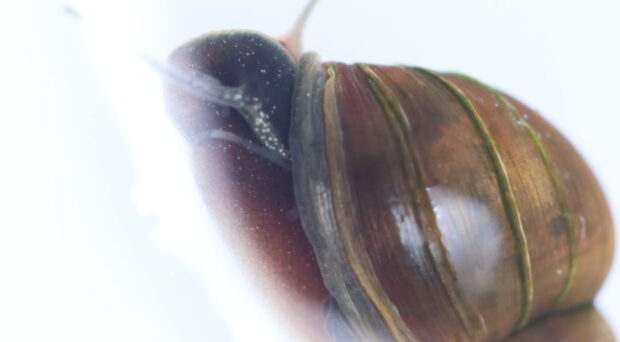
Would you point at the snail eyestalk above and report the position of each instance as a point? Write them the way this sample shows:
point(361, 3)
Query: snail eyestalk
point(292, 39)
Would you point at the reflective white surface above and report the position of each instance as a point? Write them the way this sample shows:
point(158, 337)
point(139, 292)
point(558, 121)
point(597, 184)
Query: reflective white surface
point(100, 229)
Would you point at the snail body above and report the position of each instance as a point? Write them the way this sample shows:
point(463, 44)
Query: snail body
point(437, 208)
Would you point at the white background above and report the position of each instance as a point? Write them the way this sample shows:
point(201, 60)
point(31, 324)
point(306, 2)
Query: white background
point(99, 242)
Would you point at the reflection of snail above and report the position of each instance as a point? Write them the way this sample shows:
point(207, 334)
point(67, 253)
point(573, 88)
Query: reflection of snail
point(439, 209)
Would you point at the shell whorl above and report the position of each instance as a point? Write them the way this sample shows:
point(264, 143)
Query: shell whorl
point(437, 186)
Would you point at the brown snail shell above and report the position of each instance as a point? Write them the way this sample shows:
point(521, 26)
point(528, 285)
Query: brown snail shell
point(580, 324)
point(438, 208)
point(433, 196)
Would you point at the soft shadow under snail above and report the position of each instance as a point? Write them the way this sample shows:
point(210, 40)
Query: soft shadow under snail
point(437, 208)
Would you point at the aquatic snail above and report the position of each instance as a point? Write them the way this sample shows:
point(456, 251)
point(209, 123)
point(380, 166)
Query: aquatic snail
point(417, 205)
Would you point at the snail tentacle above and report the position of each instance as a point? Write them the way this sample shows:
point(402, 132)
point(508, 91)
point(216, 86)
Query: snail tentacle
point(292, 39)
point(250, 146)
point(211, 89)
point(198, 84)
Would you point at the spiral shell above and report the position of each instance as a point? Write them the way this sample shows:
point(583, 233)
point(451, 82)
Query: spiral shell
point(435, 207)
point(441, 209)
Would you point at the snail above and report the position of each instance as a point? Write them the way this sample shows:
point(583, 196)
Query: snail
point(422, 206)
